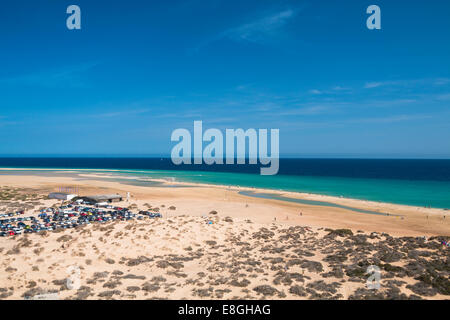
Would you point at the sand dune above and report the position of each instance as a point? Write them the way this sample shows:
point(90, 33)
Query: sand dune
point(243, 254)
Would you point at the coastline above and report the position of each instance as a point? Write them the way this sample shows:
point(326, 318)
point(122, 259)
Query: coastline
point(403, 220)
point(343, 200)
point(214, 243)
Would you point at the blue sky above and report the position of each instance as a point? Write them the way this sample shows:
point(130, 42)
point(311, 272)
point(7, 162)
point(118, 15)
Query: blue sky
point(137, 70)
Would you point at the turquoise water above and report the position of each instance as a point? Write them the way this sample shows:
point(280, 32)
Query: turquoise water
point(417, 193)
point(274, 196)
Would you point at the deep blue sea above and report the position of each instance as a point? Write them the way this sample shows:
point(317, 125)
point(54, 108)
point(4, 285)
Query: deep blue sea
point(411, 182)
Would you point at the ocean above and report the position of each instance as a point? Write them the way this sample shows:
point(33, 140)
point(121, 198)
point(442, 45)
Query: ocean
point(410, 182)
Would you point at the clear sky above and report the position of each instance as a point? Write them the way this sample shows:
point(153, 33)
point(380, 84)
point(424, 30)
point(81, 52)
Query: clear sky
point(137, 70)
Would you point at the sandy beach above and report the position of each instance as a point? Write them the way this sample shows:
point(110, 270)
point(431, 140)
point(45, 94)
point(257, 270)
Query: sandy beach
point(198, 199)
point(254, 248)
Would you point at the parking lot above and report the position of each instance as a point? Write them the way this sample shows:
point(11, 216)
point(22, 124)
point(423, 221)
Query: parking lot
point(64, 217)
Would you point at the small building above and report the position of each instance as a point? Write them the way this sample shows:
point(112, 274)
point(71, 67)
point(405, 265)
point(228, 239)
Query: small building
point(61, 196)
point(102, 198)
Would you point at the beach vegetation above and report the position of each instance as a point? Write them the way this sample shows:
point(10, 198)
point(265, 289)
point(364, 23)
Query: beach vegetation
point(341, 232)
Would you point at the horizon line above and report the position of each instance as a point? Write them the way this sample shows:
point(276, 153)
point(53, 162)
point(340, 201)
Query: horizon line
point(165, 156)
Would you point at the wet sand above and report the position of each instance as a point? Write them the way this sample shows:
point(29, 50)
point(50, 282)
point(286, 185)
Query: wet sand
point(200, 199)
